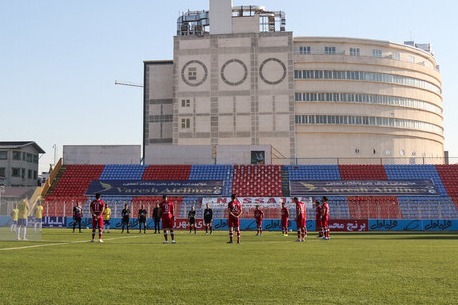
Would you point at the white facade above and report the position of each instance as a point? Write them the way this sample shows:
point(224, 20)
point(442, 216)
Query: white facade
point(311, 99)
point(361, 99)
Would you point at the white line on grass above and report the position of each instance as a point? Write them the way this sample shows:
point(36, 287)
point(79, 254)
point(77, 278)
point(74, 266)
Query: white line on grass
point(61, 243)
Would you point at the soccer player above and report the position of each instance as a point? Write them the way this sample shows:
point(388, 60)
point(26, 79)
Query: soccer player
point(14, 217)
point(106, 218)
point(38, 217)
point(97, 206)
point(258, 216)
point(284, 219)
point(77, 215)
point(325, 217)
point(166, 209)
point(192, 220)
point(234, 212)
point(156, 218)
point(208, 219)
point(125, 213)
point(142, 219)
point(318, 218)
point(301, 217)
point(23, 213)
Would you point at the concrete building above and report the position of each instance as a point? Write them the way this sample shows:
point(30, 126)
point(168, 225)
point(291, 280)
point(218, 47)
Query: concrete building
point(19, 163)
point(239, 79)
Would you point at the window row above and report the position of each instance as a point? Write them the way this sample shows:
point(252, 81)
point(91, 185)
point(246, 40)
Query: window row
point(366, 76)
point(366, 98)
point(19, 173)
point(18, 156)
point(331, 50)
point(367, 120)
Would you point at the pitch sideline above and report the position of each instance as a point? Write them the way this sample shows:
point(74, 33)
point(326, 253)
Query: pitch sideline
point(61, 243)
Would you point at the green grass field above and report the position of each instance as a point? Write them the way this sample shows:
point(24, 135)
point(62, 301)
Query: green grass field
point(64, 268)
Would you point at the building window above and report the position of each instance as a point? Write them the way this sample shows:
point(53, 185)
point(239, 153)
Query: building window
point(185, 103)
point(357, 151)
point(185, 123)
point(305, 50)
point(29, 157)
point(2, 172)
point(23, 172)
point(411, 58)
point(24, 156)
point(368, 76)
point(369, 121)
point(3, 155)
point(329, 50)
point(192, 73)
point(16, 172)
point(35, 159)
point(396, 56)
point(29, 174)
point(377, 53)
point(17, 155)
point(354, 51)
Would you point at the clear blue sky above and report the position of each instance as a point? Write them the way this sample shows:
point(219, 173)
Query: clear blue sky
point(59, 59)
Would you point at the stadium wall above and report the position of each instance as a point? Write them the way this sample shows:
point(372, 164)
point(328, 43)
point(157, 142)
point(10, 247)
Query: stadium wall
point(101, 154)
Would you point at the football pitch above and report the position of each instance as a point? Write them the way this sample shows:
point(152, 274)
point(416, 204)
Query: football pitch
point(376, 268)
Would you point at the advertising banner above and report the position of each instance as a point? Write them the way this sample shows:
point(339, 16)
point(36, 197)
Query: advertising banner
point(246, 224)
point(412, 225)
point(267, 224)
point(364, 188)
point(347, 225)
point(253, 201)
point(156, 187)
point(54, 222)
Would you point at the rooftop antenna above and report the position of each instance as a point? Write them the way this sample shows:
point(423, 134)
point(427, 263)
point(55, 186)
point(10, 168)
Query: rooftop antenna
point(132, 84)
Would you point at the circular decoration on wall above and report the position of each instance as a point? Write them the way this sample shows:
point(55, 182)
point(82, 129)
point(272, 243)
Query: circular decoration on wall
point(194, 73)
point(275, 69)
point(234, 72)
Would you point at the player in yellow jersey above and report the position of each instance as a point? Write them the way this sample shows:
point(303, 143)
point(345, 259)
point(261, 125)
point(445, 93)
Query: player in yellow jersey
point(38, 217)
point(14, 216)
point(23, 213)
point(106, 218)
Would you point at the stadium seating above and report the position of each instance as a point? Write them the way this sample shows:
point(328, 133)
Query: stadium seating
point(449, 178)
point(123, 172)
point(257, 180)
point(265, 181)
point(313, 172)
point(427, 172)
point(362, 172)
point(167, 172)
point(75, 180)
point(214, 172)
point(379, 207)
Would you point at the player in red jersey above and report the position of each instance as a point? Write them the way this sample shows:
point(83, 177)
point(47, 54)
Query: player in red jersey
point(325, 217)
point(318, 225)
point(258, 216)
point(235, 211)
point(166, 209)
point(284, 219)
point(301, 216)
point(97, 207)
